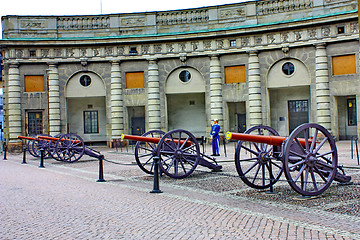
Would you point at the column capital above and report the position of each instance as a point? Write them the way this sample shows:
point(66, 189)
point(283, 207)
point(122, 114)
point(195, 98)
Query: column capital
point(13, 64)
point(152, 59)
point(320, 45)
point(52, 63)
point(252, 52)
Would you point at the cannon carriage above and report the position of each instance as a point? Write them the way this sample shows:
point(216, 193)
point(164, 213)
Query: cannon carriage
point(62, 147)
point(308, 158)
point(178, 151)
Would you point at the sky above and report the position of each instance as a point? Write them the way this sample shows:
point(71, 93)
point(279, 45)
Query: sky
point(94, 7)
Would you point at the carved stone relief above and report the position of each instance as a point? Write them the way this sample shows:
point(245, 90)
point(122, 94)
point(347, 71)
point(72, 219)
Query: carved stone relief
point(271, 38)
point(57, 52)
point(45, 53)
point(19, 53)
point(109, 51)
point(207, 44)
point(158, 48)
point(170, 48)
point(134, 21)
point(245, 41)
point(233, 13)
point(220, 44)
point(145, 49)
point(195, 46)
point(312, 33)
point(182, 47)
point(70, 52)
point(96, 52)
point(120, 51)
point(326, 32)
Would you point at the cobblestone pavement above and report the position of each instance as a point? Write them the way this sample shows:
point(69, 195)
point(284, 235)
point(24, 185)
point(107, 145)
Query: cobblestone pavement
point(65, 201)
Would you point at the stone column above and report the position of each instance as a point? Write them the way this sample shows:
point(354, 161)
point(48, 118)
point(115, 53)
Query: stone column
point(322, 87)
point(216, 99)
point(14, 102)
point(117, 115)
point(54, 100)
point(254, 88)
point(154, 96)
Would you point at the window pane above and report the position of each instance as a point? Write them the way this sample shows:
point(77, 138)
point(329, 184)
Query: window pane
point(91, 123)
point(35, 123)
point(351, 106)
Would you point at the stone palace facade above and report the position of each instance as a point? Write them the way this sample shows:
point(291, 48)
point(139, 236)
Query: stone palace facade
point(278, 63)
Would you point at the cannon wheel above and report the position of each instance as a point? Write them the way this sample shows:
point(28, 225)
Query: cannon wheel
point(70, 147)
point(178, 159)
point(29, 146)
point(254, 169)
point(52, 148)
point(145, 152)
point(310, 169)
point(39, 144)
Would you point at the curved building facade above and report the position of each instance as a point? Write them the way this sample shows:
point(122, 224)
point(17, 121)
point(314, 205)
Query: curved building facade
point(277, 63)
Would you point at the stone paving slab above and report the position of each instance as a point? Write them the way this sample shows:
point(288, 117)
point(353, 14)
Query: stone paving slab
point(64, 201)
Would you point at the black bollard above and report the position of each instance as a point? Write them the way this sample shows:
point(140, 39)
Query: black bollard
point(5, 150)
point(24, 155)
point(156, 176)
point(41, 158)
point(101, 169)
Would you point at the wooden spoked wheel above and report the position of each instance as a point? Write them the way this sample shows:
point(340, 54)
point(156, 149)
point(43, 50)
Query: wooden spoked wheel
point(39, 144)
point(310, 159)
point(70, 147)
point(179, 153)
point(145, 151)
point(257, 163)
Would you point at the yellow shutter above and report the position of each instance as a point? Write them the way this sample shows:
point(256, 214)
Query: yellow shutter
point(135, 80)
point(343, 65)
point(34, 84)
point(235, 74)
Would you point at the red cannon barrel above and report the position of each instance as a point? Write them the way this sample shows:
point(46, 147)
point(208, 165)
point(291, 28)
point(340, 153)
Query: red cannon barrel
point(140, 138)
point(271, 140)
point(56, 139)
point(150, 139)
point(26, 138)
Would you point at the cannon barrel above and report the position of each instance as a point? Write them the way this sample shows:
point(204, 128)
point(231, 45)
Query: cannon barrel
point(26, 138)
point(271, 140)
point(56, 139)
point(151, 139)
point(140, 138)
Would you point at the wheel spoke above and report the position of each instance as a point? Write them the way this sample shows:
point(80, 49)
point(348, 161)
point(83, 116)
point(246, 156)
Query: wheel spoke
point(250, 168)
point(314, 180)
point(256, 173)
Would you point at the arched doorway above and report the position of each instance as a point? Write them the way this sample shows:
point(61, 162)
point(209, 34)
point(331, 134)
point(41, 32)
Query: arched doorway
point(86, 110)
point(289, 91)
point(185, 95)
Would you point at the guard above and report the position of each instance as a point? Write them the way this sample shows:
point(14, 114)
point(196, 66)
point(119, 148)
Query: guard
point(214, 134)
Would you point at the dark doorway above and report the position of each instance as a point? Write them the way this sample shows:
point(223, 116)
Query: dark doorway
point(241, 122)
point(298, 113)
point(35, 123)
point(137, 125)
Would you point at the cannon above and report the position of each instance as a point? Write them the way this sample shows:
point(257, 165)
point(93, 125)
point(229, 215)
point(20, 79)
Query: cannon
point(308, 158)
point(63, 147)
point(178, 151)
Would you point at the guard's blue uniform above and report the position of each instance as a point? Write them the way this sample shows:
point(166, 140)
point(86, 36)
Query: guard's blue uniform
point(215, 129)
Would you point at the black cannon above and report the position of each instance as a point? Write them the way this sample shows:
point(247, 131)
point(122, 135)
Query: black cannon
point(178, 150)
point(308, 157)
point(63, 147)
